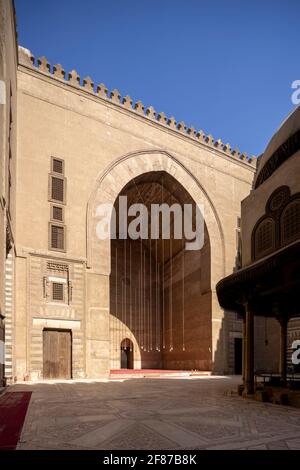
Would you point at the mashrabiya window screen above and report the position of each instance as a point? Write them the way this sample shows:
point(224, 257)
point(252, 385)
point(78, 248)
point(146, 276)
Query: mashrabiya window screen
point(57, 237)
point(290, 222)
point(57, 166)
point(264, 237)
point(57, 189)
point(57, 213)
point(57, 291)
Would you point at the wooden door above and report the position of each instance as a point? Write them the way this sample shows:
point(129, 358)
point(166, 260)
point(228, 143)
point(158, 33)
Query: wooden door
point(127, 358)
point(123, 359)
point(56, 354)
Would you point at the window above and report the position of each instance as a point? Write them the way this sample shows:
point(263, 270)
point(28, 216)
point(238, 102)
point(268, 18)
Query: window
point(57, 286)
point(57, 237)
point(57, 213)
point(290, 222)
point(57, 166)
point(58, 292)
point(55, 267)
point(278, 198)
point(57, 194)
point(238, 259)
point(57, 189)
point(264, 239)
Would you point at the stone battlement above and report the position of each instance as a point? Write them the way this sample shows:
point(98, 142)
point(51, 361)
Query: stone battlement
point(87, 84)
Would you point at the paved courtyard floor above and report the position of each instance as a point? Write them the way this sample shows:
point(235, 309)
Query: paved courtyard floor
point(167, 413)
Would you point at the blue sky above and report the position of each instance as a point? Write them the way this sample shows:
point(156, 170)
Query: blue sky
point(224, 66)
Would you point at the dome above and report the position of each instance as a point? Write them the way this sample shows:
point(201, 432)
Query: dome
point(284, 143)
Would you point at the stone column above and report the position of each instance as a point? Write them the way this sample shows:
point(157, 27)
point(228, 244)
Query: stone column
point(283, 347)
point(249, 352)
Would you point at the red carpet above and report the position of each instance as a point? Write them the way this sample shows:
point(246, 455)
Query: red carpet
point(13, 408)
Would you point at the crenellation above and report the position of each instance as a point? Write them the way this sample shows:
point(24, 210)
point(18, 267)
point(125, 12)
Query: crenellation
point(226, 148)
point(151, 113)
point(181, 127)
point(191, 131)
point(235, 152)
point(218, 143)
point(139, 107)
point(43, 64)
point(88, 84)
point(200, 135)
point(102, 90)
point(127, 102)
point(27, 59)
point(209, 139)
point(59, 72)
point(74, 78)
point(115, 96)
point(172, 123)
point(162, 118)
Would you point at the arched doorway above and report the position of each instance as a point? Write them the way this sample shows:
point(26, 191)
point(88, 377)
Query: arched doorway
point(160, 292)
point(127, 354)
point(101, 319)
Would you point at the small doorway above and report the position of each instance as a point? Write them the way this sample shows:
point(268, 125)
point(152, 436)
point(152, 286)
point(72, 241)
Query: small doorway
point(127, 354)
point(57, 354)
point(238, 356)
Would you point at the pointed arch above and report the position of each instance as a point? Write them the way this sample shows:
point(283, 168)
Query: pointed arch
point(117, 174)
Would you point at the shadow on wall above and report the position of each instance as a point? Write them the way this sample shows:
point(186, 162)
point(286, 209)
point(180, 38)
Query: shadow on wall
point(160, 293)
point(220, 366)
point(229, 345)
point(229, 348)
point(177, 336)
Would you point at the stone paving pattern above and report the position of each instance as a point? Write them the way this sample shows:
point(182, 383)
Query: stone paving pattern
point(167, 413)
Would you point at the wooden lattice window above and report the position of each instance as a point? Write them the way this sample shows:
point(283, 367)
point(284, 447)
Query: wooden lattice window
point(57, 166)
point(57, 213)
point(290, 222)
point(264, 238)
point(57, 237)
point(56, 266)
point(58, 291)
point(57, 189)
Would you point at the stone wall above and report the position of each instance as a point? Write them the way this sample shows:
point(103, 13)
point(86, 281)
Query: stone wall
point(254, 206)
point(8, 132)
point(104, 143)
point(266, 344)
point(45, 313)
point(188, 311)
point(135, 304)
